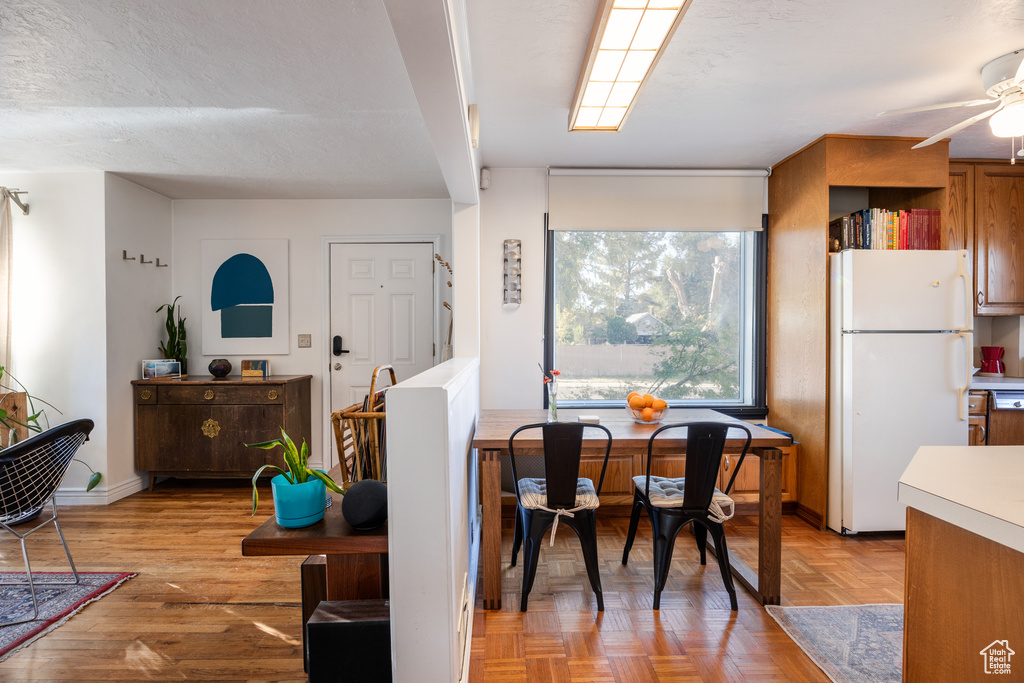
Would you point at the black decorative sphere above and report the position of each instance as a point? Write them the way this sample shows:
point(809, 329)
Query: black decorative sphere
point(365, 505)
point(220, 367)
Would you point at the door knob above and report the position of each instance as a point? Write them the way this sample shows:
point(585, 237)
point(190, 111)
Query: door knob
point(337, 347)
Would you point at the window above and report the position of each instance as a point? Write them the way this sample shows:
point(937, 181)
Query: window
point(676, 314)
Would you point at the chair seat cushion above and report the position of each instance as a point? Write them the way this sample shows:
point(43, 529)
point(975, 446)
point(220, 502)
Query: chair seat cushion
point(534, 494)
point(668, 493)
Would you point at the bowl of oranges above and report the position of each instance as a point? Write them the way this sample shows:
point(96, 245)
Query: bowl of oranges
point(646, 409)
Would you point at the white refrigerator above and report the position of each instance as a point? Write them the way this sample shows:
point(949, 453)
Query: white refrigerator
point(900, 364)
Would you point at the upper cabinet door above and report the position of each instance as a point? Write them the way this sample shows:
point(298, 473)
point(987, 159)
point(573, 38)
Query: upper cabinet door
point(999, 240)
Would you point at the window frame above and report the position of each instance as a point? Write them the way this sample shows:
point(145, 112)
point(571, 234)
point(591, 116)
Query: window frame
point(758, 409)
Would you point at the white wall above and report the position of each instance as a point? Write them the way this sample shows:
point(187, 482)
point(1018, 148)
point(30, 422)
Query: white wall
point(304, 223)
point(59, 307)
point(466, 294)
point(137, 221)
point(512, 338)
point(433, 523)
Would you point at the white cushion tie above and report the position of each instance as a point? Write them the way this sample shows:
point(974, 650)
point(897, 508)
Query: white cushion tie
point(666, 492)
point(533, 495)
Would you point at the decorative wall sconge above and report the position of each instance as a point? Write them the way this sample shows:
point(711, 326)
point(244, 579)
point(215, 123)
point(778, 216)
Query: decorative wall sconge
point(512, 272)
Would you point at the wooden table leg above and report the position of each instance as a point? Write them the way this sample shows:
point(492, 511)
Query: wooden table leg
point(357, 576)
point(490, 527)
point(769, 536)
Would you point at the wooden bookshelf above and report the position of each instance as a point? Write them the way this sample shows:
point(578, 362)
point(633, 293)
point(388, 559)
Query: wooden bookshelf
point(801, 191)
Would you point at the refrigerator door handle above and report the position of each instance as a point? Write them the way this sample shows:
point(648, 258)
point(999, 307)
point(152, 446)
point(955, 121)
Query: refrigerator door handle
point(965, 275)
point(968, 367)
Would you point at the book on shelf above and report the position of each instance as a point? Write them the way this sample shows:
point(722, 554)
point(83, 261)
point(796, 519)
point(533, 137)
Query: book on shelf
point(887, 230)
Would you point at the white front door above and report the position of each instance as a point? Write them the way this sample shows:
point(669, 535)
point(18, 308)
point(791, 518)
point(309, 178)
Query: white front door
point(382, 308)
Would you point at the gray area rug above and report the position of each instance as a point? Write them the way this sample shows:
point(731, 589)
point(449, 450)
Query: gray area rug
point(850, 643)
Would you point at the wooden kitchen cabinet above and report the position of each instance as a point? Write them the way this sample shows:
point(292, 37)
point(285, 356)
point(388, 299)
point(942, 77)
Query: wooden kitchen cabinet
point(984, 216)
point(977, 418)
point(999, 255)
point(199, 428)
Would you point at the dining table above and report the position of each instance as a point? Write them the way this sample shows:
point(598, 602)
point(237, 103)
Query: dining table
point(629, 458)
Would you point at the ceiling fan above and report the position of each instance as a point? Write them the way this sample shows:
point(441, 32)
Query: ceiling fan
point(1003, 79)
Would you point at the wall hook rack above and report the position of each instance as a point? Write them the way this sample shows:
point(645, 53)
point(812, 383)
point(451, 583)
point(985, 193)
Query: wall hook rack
point(125, 256)
point(142, 259)
point(160, 265)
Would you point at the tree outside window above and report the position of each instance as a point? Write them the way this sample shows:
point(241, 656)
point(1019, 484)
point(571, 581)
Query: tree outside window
point(666, 313)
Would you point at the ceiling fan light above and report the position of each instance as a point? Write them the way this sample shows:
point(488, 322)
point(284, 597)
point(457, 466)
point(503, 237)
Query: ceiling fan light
point(1009, 121)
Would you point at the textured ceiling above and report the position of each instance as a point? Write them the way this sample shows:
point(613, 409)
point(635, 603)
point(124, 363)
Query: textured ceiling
point(311, 98)
point(742, 84)
point(216, 99)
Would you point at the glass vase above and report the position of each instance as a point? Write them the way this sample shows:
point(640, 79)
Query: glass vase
point(552, 401)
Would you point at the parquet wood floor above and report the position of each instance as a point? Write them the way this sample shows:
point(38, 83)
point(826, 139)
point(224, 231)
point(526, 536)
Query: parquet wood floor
point(199, 611)
point(694, 636)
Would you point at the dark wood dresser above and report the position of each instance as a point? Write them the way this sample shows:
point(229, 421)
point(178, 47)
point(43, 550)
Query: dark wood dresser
point(199, 427)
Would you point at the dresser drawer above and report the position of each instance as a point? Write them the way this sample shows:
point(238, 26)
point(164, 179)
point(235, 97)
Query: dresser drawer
point(220, 395)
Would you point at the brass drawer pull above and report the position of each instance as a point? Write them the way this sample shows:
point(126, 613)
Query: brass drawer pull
point(211, 428)
point(208, 395)
point(146, 395)
point(272, 395)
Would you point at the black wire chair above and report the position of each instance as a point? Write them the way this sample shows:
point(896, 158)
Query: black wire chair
point(560, 494)
point(30, 473)
point(672, 503)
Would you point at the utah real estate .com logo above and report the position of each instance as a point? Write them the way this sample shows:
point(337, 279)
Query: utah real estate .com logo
point(997, 657)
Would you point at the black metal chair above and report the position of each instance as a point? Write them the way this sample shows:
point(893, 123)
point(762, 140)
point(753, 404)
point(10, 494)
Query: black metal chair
point(30, 473)
point(671, 504)
point(560, 493)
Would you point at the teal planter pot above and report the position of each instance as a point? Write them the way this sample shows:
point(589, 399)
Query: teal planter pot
point(298, 505)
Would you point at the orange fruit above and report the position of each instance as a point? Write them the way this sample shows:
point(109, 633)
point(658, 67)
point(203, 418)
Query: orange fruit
point(631, 395)
point(659, 404)
point(636, 402)
point(647, 414)
point(648, 400)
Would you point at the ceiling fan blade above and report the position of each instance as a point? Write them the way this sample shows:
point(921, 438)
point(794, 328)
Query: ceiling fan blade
point(958, 127)
point(947, 105)
point(1020, 73)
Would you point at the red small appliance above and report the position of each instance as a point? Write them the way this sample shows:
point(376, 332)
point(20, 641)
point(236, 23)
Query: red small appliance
point(991, 361)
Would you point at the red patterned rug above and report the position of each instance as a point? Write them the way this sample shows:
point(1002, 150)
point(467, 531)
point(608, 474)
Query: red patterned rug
point(56, 603)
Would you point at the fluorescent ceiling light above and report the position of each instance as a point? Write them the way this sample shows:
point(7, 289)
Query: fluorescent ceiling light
point(626, 42)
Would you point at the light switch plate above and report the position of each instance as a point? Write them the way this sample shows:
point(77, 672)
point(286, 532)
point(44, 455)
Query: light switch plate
point(305, 341)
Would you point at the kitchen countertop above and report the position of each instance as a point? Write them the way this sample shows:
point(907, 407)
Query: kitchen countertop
point(997, 383)
point(977, 488)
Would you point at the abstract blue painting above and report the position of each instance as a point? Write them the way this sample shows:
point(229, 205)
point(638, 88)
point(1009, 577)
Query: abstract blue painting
point(245, 293)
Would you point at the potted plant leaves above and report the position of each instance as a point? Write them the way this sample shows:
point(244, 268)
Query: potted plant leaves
point(176, 347)
point(300, 494)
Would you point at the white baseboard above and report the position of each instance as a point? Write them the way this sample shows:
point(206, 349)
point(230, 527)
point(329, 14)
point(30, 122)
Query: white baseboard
point(79, 496)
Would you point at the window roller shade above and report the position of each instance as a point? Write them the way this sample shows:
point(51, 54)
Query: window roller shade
point(643, 202)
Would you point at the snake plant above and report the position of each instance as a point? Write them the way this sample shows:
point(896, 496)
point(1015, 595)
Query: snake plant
point(176, 347)
point(295, 460)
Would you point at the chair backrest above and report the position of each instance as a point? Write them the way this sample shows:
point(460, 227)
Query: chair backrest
point(30, 471)
point(705, 443)
point(563, 446)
